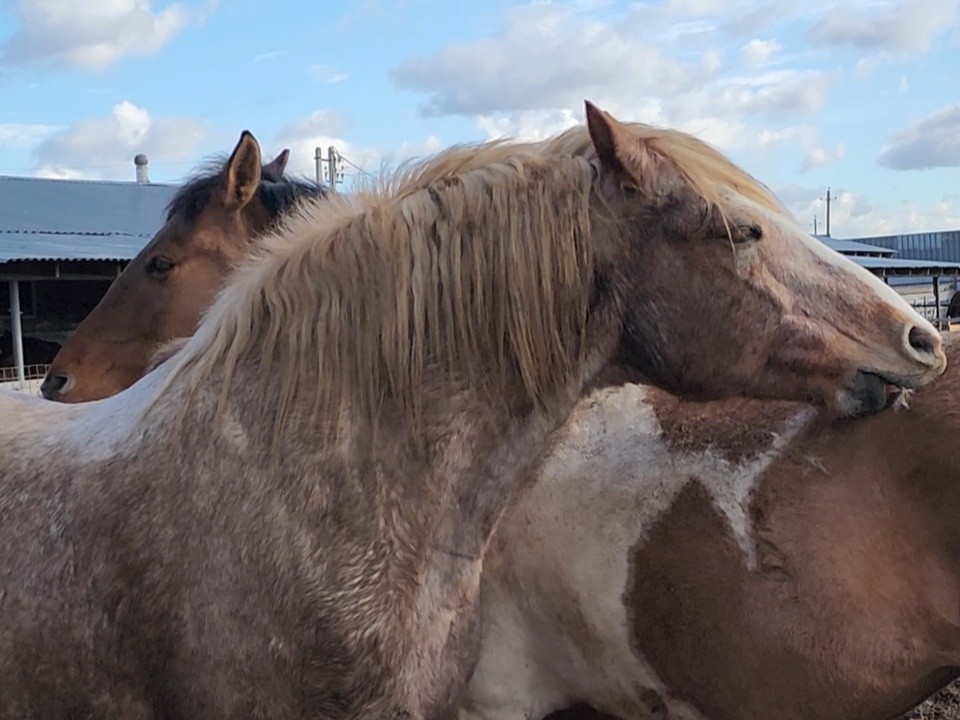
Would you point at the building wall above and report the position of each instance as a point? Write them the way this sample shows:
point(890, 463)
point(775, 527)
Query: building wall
point(942, 245)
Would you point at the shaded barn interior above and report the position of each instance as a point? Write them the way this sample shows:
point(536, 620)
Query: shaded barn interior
point(62, 242)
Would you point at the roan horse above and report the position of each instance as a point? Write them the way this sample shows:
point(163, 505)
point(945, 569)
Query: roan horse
point(734, 560)
point(162, 292)
point(287, 518)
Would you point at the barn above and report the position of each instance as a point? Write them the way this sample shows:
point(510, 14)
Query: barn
point(62, 242)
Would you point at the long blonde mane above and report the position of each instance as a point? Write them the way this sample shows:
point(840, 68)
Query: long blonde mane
point(477, 263)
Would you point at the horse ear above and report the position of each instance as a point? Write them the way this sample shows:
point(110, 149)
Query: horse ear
point(606, 134)
point(242, 173)
point(274, 169)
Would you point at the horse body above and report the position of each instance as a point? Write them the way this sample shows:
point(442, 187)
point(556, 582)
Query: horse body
point(733, 560)
point(288, 517)
point(268, 611)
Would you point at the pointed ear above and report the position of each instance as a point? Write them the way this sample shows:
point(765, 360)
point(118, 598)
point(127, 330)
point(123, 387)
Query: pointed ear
point(605, 132)
point(241, 176)
point(273, 170)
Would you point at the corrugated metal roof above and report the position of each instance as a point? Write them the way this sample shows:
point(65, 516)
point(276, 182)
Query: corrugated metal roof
point(852, 247)
point(43, 219)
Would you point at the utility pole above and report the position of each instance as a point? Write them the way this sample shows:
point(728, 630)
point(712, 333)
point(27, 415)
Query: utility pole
point(828, 209)
point(814, 224)
point(332, 157)
point(332, 172)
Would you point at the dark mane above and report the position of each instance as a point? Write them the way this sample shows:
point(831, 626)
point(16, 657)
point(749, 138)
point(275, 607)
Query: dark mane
point(278, 195)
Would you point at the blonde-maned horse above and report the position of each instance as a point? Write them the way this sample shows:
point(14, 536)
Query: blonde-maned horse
point(211, 223)
point(732, 560)
point(287, 518)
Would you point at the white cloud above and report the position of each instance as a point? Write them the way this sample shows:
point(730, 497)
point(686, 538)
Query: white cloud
point(858, 215)
point(545, 56)
point(775, 93)
point(711, 62)
point(320, 129)
point(93, 34)
point(104, 147)
point(904, 86)
point(905, 26)
point(21, 135)
point(817, 157)
point(326, 74)
point(866, 66)
point(757, 51)
point(267, 56)
point(324, 129)
point(532, 125)
point(931, 142)
point(412, 150)
point(801, 134)
point(656, 63)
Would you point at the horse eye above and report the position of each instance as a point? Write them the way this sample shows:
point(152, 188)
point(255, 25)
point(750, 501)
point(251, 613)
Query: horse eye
point(748, 233)
point(159, 265)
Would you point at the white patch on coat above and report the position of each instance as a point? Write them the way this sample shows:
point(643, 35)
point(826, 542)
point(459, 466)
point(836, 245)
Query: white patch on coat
point(89, 431)
point(555, 627)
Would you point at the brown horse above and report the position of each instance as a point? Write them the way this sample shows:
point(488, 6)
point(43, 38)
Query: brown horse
point(167, 286)
point(735, 560)
point(288, 517)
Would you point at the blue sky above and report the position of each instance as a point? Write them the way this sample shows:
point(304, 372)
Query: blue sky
point(860, 95)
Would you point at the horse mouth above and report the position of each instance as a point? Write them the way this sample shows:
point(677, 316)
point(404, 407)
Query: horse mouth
point(873, 391)
point(870, 392)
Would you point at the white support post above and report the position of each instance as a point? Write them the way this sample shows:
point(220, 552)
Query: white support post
point(16, 330)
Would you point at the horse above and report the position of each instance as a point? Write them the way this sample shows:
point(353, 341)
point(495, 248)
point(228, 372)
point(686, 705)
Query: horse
point(162, 292)
point(288, 517)
point(728, 560)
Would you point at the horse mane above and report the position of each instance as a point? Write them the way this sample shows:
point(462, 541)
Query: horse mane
point(705, 169)
point(357, 297)
point(277, 194)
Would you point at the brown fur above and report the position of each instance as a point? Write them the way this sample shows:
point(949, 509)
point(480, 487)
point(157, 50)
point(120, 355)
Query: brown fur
point(737, 430)
point(853, 609)
point(168, 553)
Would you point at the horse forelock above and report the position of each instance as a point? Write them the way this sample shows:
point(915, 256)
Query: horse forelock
point(483, 272)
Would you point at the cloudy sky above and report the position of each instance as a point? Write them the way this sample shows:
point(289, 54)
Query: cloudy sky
point(860, 95)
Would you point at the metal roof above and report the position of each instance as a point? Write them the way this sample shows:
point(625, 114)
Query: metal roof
point(44, 219)
point(852, 247)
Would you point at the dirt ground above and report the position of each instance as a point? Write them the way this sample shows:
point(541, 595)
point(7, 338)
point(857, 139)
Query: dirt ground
point(945, 705)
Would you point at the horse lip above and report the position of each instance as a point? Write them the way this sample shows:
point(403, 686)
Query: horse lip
point(910, 382)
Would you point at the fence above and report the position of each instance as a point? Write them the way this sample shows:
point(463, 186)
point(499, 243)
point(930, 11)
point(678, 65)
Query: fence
point(33, 375)
point(938, 316)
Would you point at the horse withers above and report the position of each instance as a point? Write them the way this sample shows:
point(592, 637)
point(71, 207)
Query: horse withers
point(163, 291)
point(288, 517)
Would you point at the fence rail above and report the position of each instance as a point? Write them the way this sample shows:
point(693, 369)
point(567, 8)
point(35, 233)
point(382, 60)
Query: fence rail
point(32, 377)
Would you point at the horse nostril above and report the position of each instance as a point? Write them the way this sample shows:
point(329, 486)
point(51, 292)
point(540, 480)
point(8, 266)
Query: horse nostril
point(923, 341)
point(52, 385)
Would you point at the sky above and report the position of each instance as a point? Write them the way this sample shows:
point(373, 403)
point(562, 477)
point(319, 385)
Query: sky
point(862, 96)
